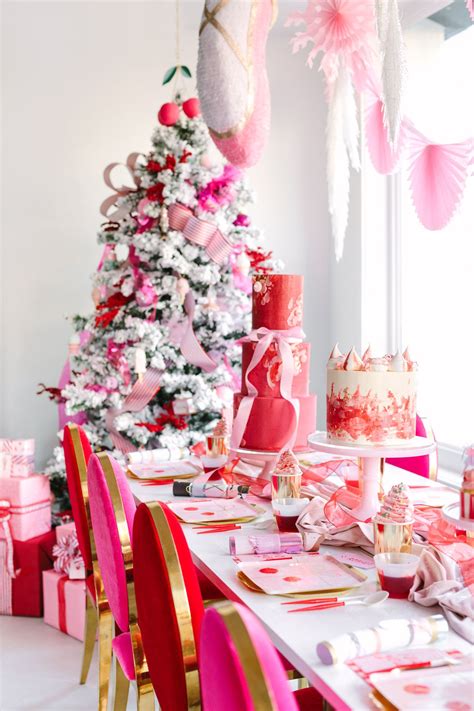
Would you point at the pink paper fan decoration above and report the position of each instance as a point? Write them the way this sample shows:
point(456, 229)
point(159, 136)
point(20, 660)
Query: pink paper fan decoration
point(336, 27)
point(384, 156)
point(437, 175)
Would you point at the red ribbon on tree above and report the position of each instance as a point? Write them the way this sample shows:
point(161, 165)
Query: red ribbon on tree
point(167, 418)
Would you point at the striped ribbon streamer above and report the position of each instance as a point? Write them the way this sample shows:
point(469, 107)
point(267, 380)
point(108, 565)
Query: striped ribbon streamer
point(200, 232)
point(139, 397)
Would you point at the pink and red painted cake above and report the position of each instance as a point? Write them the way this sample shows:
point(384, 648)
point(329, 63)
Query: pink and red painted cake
point(371, 400)
point(277, 315)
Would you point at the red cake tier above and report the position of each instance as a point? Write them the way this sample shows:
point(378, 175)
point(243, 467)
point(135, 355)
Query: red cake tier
point(277, 301)
point(266, 375)
point(271, 420)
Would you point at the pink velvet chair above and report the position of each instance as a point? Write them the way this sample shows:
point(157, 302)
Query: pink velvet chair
point(240, 668)
point(112, 508)
point(77, 451)
point(425, 466)
point(169, 604)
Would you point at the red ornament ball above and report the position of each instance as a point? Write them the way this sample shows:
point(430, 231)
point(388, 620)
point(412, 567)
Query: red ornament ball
point(192, 108)
point(168, 114)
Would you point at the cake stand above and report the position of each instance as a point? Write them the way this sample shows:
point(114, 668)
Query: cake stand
point(371, 456)
point(452, 514)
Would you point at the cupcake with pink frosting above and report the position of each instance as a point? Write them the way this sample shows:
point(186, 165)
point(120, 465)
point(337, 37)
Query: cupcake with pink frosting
point(397, 506)
point(288, 464)
point(221, 429)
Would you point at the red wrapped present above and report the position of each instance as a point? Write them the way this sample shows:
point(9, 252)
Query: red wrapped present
point(18, 457)
point(27, 504)
point(21, 565)
point(64, 603)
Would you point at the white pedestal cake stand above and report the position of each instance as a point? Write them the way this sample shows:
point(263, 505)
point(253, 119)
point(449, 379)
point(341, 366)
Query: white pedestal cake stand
point(371, 456)
point(452, 514)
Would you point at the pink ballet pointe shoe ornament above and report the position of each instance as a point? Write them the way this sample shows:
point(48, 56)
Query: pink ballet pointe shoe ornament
point(232, 77)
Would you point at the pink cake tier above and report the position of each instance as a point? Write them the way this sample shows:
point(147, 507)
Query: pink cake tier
point(277, 305)
point(371, 400)
point(266, 376)
point(277, 301)
point(271, 420)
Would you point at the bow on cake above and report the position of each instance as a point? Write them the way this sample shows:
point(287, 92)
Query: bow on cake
point(264, 337)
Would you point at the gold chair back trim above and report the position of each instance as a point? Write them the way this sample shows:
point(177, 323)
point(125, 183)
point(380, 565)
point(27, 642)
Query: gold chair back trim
point(82, 469)
point(261, 693)
point(181, 605)
point(141, 667)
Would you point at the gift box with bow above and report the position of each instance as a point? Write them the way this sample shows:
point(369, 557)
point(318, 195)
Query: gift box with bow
point(21, 566)
point(25, 505)
point(17, 457)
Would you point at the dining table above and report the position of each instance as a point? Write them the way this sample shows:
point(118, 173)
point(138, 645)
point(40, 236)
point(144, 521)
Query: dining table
point(297, 635)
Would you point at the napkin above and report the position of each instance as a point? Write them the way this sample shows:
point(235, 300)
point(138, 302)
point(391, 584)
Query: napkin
point(439, 582)
point(315, 529)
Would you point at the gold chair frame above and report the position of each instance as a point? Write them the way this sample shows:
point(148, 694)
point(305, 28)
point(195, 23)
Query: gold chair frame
point(98, 615)
point(145, 692)
point(181, 606)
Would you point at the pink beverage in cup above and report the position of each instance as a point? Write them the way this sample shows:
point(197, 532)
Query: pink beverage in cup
point(396, 573)
point(287, 512)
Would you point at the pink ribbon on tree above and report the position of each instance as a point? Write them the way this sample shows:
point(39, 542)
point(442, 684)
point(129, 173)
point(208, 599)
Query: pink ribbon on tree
point(200, 232)
point(264, 337)
point(122, 191)
point(138, 398)
point(189, 345)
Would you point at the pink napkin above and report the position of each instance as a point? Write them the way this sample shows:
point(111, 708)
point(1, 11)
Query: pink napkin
point(439, 582)
point(315, 529)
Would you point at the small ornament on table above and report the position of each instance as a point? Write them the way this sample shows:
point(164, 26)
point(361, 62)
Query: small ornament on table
point(393, 525)
point(467, 487)
point(140, 363)
point(182, 288)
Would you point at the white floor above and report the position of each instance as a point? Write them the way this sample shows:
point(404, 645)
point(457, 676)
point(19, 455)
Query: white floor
point(39, 669)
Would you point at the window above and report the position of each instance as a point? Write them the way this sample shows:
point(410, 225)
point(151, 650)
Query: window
point(437, 268)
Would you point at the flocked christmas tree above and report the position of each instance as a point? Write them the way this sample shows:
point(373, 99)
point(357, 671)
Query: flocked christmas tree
point(177, 240)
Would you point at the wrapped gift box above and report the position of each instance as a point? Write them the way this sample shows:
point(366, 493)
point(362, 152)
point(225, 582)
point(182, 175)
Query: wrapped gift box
point(28, 503)
point(20, 457)
point(73, 564)
point(64, 603)
point(23, 595)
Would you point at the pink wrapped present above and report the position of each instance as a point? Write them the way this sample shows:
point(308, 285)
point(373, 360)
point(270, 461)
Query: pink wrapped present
point(5, 464)
point(64, 603)
point(64, 529)
point(27, 504)
point(21, 455)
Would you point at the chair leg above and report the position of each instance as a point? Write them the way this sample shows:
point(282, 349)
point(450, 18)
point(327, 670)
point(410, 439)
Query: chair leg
point(122, 686)
point(90, 629)
point(145, 698)
point(106, 627)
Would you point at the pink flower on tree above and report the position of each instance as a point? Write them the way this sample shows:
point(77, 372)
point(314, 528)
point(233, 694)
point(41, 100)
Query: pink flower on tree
point(219, 191)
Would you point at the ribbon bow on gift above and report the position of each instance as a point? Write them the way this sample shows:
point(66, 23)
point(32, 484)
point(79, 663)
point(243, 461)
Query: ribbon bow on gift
point(66, 552)
point(119, 192)
point(200, 232)
point(264, 337)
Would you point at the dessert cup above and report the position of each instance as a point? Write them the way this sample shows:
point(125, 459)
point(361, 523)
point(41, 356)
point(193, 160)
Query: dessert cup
point(391, 537)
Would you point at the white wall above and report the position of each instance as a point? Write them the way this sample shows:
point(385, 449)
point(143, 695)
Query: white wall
point(81, 87)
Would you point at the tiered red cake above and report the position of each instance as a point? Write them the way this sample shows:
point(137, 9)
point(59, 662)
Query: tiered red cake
point(277, 305)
